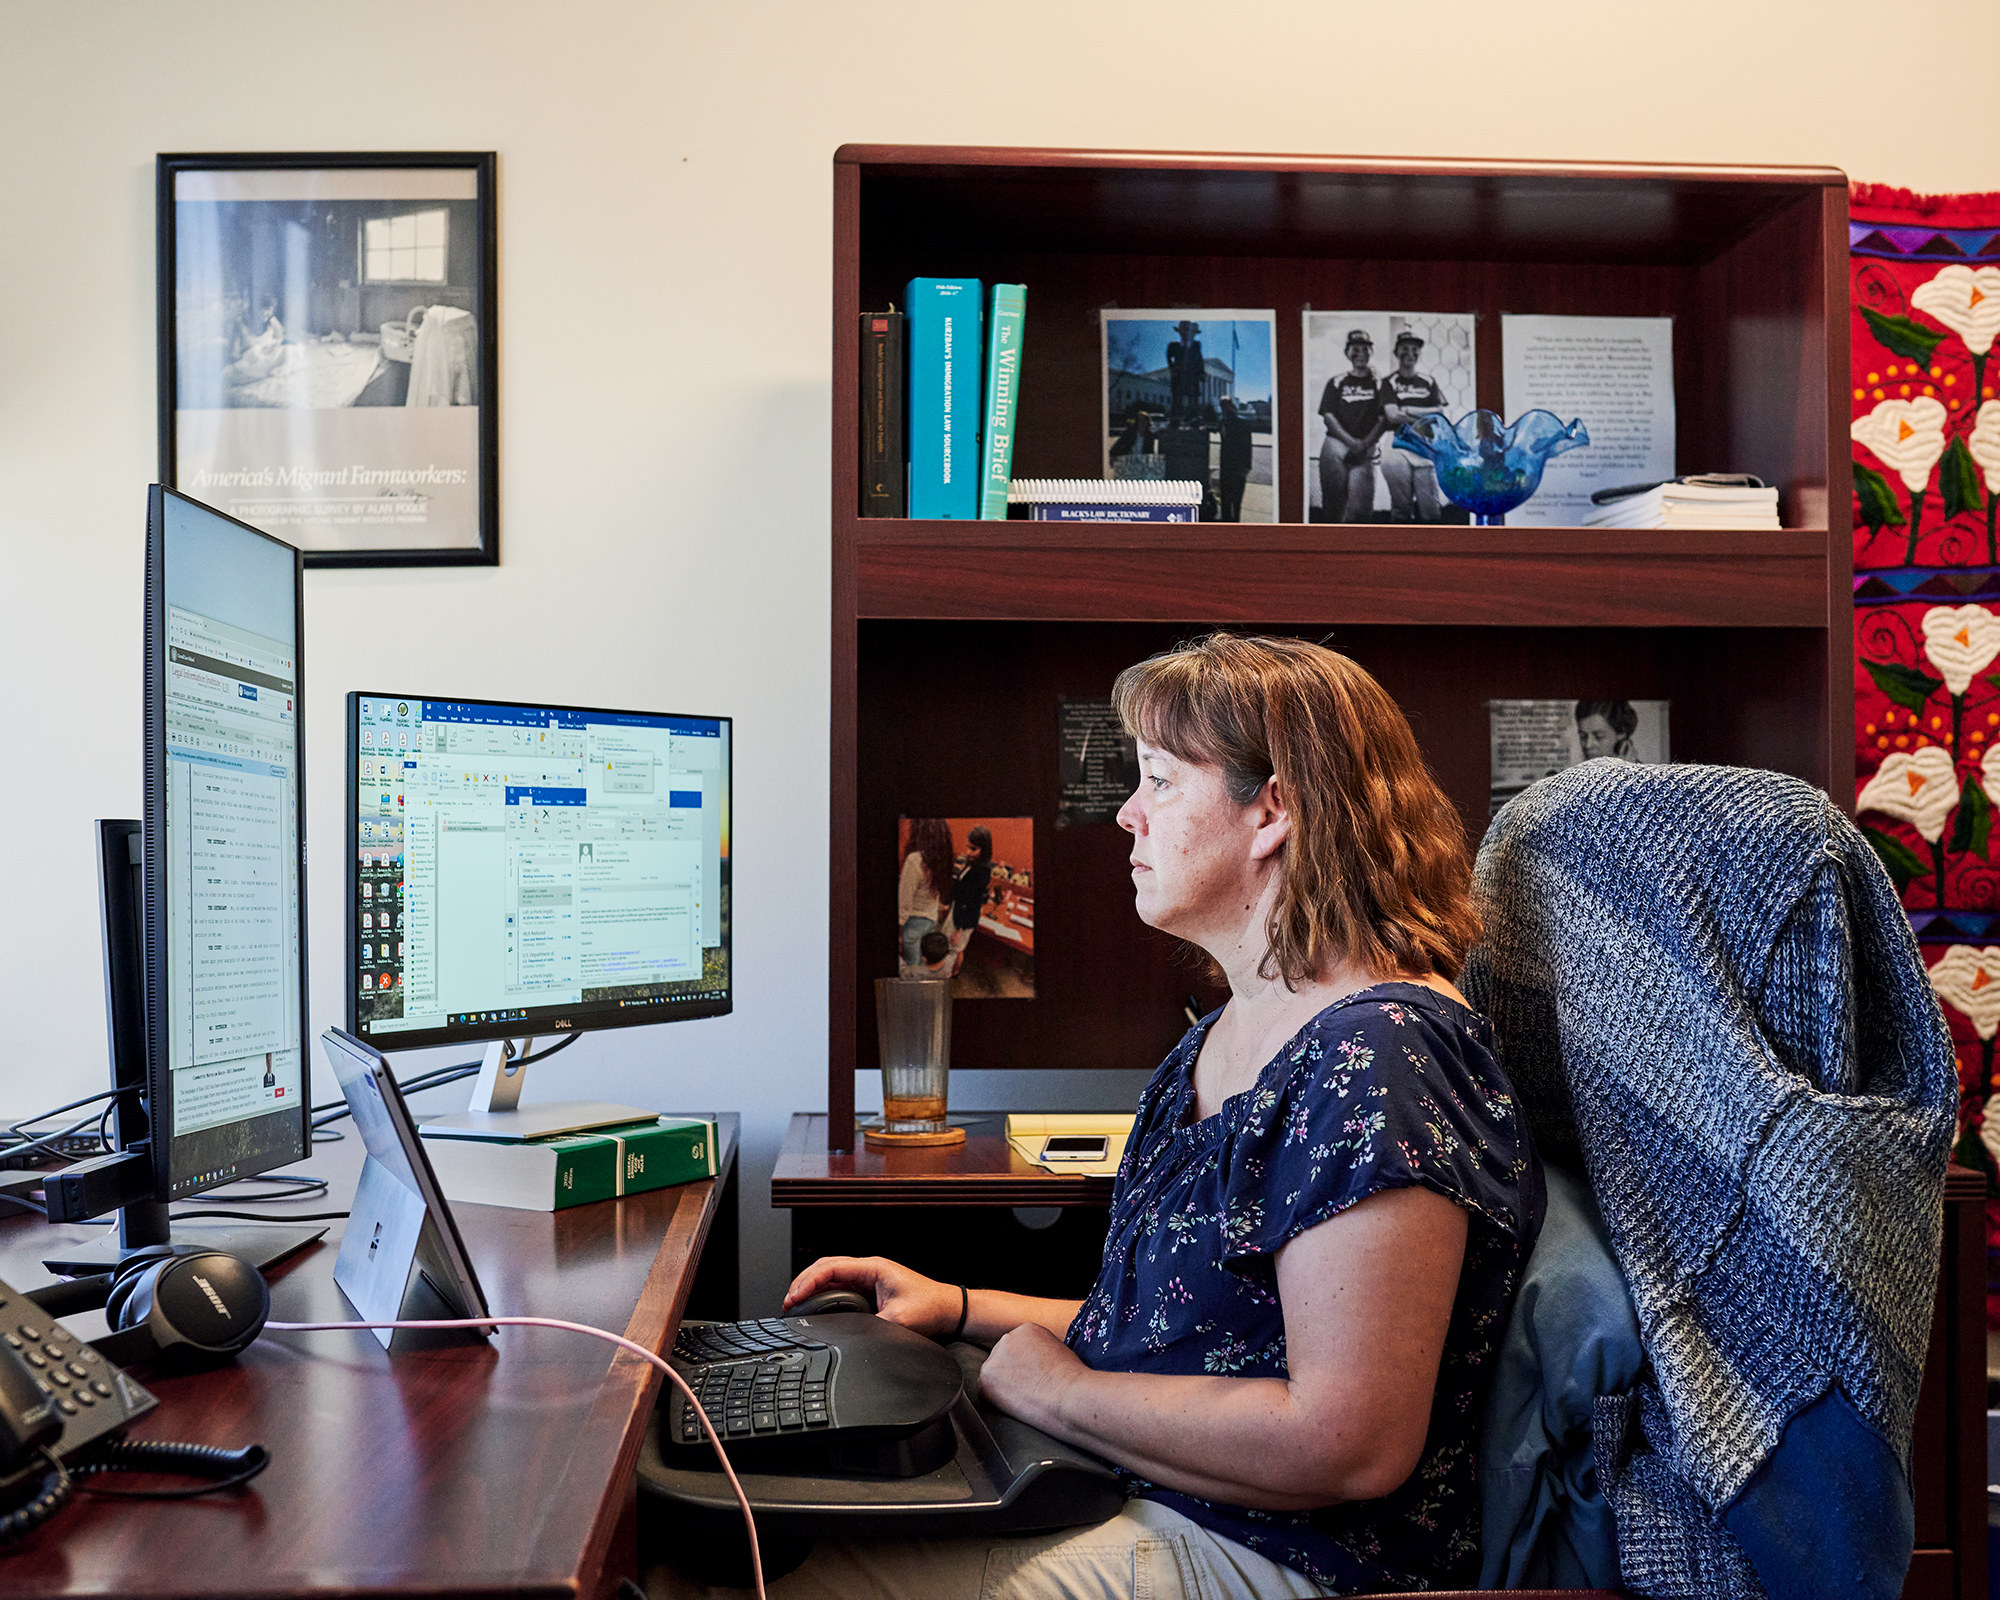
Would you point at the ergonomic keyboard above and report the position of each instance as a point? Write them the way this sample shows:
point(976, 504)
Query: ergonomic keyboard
point(755, 1378)
point(974, 1470)
point(840, 1389)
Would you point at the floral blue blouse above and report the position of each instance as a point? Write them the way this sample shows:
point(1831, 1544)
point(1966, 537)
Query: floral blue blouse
point(1393, 1086)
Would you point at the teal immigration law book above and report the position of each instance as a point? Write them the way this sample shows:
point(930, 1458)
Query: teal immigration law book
point(573, 1169)
point(1006, 321)
point(943, 397)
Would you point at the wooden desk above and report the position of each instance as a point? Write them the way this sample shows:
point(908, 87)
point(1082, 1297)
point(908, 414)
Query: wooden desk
point(938, 1210)
point(482, 1470)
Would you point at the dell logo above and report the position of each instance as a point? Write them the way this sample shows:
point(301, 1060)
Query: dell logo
point(208, 1289)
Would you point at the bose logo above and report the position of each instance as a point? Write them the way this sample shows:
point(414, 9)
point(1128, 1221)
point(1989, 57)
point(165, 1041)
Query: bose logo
point(208, 1289)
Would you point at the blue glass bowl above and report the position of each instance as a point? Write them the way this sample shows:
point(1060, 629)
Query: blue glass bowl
point(1485, 467)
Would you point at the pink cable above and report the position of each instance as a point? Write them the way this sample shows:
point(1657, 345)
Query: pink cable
point(680, 1383)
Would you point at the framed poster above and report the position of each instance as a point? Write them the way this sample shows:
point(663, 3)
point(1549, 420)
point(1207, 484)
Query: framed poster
point(327, 350)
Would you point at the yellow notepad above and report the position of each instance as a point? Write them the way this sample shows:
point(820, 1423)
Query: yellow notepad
point(1027, 1131)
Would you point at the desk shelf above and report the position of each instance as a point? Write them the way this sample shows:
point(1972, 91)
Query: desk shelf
point(951, 641)
point(1450, 576)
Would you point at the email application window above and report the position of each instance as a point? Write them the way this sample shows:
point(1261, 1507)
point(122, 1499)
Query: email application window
point(515, 859)
point(232, 870)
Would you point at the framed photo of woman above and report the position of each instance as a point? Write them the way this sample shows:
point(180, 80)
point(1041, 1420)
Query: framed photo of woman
point(328, 349)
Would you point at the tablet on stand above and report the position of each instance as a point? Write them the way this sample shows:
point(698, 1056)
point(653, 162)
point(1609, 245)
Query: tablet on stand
point(401, 1258)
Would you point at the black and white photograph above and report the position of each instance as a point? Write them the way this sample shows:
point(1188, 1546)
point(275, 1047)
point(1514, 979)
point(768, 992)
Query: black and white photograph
point(1366, 374)
point(327, 350)
point(1532, 739)
point(1189, 396)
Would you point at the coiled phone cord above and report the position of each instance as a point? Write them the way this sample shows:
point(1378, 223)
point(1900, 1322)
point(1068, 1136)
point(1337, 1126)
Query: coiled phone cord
point(50, 1498)
point(230, 1469)
point(639, 1350)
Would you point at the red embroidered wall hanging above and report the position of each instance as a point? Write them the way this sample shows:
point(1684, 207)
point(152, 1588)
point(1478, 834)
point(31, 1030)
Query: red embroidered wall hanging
point(1925, 316)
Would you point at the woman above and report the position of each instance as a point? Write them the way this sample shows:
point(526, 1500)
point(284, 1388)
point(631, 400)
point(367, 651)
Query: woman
point(1327, 1197)
point(923, 888)
point(1605, 728)
point(968, 894)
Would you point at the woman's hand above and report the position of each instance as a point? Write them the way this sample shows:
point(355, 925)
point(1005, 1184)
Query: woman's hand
point(1029, 1373)
point(901, 1296)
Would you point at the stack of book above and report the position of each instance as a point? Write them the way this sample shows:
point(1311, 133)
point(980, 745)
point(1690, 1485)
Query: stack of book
point(574, 1169)
point(1107, 499)
point(1716, 502)
point(940, 391)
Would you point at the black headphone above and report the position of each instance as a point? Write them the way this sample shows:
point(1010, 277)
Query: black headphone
point(175, 1311)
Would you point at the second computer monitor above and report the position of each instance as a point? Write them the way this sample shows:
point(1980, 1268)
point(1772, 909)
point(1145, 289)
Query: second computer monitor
point(518, 869)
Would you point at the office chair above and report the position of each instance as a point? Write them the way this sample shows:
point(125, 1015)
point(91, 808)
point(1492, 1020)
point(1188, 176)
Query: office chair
point(1710, 1003)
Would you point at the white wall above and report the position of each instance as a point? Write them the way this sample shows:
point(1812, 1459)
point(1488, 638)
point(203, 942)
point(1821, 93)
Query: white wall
point(664, 288)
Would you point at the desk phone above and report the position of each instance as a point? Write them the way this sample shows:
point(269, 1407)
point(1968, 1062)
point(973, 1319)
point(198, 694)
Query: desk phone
point(48, 1375)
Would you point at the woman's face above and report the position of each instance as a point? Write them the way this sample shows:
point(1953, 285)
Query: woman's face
point(1192, 867)
point(1597, 737)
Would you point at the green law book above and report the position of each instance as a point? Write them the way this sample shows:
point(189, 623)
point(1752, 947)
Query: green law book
point(654, 1155)
point(539, 1175)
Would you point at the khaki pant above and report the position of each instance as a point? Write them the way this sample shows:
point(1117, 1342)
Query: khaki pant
point(1146, 1552)
point(1346, 493)
point(1413, 487)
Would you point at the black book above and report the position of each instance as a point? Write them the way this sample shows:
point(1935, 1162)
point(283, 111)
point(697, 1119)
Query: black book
point(885, 479)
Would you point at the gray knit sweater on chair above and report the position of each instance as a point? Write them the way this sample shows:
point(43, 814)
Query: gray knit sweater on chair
point(1709, 1000)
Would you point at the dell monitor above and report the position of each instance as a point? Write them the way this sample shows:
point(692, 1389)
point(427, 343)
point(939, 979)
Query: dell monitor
point(517, 869)
point(209, 1044)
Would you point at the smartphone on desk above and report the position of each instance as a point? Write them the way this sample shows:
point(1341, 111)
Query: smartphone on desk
point(1076, 1147)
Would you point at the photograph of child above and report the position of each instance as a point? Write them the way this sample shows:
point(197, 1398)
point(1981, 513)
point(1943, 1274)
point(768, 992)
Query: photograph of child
point(1366, 374)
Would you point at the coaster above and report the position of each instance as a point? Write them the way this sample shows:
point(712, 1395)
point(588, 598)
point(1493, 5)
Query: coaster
point(913, 1141)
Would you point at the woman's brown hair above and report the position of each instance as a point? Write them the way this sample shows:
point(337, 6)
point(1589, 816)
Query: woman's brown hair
point(930, 841)
point(1375, 869)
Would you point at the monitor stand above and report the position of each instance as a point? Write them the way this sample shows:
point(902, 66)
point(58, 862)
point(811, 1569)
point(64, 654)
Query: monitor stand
point(143, 1226)
point(496, 1112)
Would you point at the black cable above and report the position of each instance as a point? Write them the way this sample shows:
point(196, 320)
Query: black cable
point(261, 1216)
point(50, 1498)
point(437, 1077)
point(167, 1455)
point(48, 1140)
point(24, 1203)
point(292, 1188)
point(321, 1136)
point(19, 1123)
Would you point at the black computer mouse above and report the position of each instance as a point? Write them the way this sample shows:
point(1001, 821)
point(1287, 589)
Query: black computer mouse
point(824, 1305)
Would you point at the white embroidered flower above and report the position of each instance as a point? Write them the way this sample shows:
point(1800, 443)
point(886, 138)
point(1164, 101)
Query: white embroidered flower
point(1989, 771)
point(1907, 437)
point(1919, 787)
point(1965, 300)
point(1961, 642)
point(1984, 443)
point(1968, 981)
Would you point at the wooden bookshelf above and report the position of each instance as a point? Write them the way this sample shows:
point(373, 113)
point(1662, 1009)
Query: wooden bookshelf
point(952, 640)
